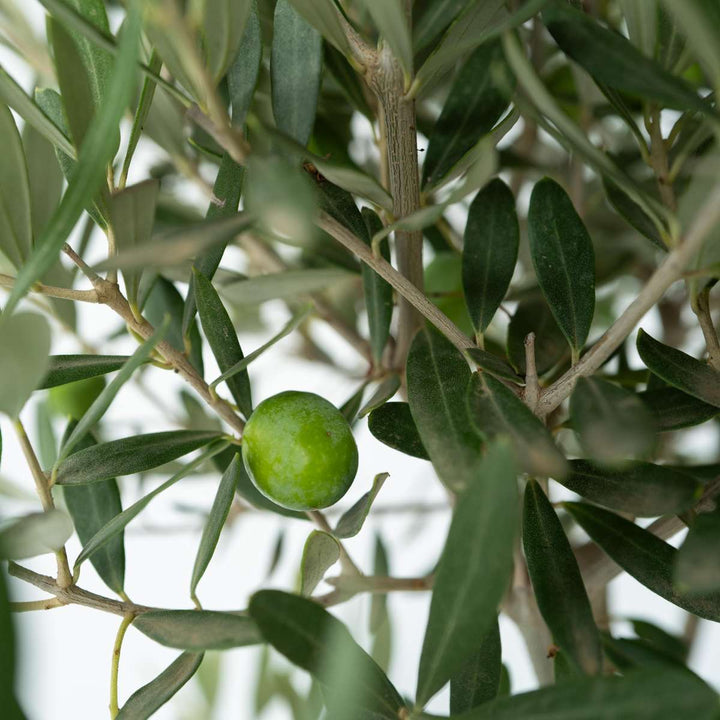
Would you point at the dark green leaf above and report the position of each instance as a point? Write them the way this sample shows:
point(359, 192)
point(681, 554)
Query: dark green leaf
point(321, 551)
point(628, 654)
point(243, 73)
point(97, 151)
point(16, 233)
point(490, 250)
point(10, 707)
point(673, 409)
point(351, 521)
point(437, 380)
point(197, 630)
point(384, 392)
point(65, 369)
point(304, 632)
point(378, 293)
point(657, 694)
point(227, 188)
point(633, 213)
point(130, 455)
point(477, 682)
point(478, 97)
point(350, 407)
point(34, 534)
point(120, 521)
point(91, 507)
point(144, 702)
point(432, 18)
point(494, 365)
point(132, 215)
point(697, 569)
point(640, 488)
point(684, 372)
point(613, 425)
point(563, 258)
point(610, 58)
point(557, 582)
point(347, 79)
point(223, 340)
point(393, 425)
point(534, 316)
point(473, 571)
point(495, 410)
point(215, 521)
point(646, 557)
point(24, 350)
point(295, 69)
point(661, 639)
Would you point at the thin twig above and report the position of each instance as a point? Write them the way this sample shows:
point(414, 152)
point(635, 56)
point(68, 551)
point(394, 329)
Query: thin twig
point(532, 385)
point(401, 284)
point(51, 291)
point(669, 272)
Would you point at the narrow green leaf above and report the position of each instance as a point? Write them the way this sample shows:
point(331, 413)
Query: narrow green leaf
point(643, 555)
point(290, 283)
point(215, 521)
point(132, 216)
point(65, 369)
point(612, 59)
point(198, 630)
point(24, 350)
point(352, 520)
point(103, 401)
point(393, 425)
point(477, 99)
point(15, 211)
point(295, 70)
point(120, 521)
point(129, 455)
point(655, 694)
point(8, 657)
point(630, 654)
point(431, 19)
point(12, 94)
point(227, 188)
point(385, 390)
point(478, 680)
point(91, 507)
point(437, 380)
point(640, 488)
point(323, 15)
point(378, 293)
point(534, 316)
point(292, 324)
point(221, 335)
point(97, 151)
point(496, 410)
point(46, 440)
point(696, 567)
point(478, 24)
point(557, 582)
point(34, 534)
point(243, 73)
point(564, 261)
point(490, 250)
point(473, 571)
point(680, 370)
point(222, 27)
point(660, 638)
point(494, 365)
point(347, 79)
point(633, 213)
point(673, 409)
point(320, 552)
point(391, 21)
point(304, 632)
point(151, 697)
point(612, 423)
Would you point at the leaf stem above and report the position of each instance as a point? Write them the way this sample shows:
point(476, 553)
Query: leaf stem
point(115, 663)
point(42, 487)
point(55, 292)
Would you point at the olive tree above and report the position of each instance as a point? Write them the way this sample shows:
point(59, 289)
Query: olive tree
point(486, 200)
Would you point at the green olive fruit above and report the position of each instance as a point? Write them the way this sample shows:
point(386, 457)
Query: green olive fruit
point(73, 399)
point(299, 451)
